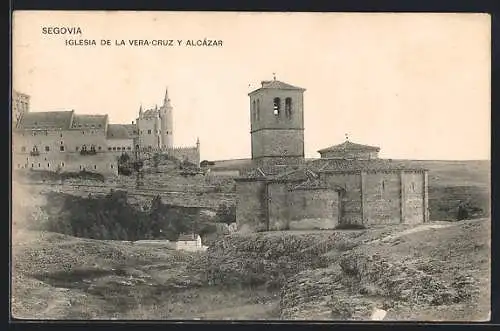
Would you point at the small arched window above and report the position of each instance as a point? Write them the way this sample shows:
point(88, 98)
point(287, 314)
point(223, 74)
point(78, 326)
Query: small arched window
point(276, 106)
point(288, 107)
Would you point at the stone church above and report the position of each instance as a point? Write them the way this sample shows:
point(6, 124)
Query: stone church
point(349, 184)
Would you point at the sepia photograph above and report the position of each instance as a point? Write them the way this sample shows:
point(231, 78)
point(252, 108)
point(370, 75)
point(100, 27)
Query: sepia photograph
point(222, 166)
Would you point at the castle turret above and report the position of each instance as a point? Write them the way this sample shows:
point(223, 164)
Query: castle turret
point(166, 115)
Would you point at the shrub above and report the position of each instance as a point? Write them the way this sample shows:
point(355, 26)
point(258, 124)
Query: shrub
point(226, 214)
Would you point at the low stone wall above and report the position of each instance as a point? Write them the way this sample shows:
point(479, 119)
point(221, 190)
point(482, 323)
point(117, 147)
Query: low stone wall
point(141, 196)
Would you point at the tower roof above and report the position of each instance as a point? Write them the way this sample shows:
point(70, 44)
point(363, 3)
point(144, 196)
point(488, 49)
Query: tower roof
point(277, 85)
point(349, 146)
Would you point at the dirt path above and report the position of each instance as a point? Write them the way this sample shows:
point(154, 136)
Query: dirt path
point(419, 228)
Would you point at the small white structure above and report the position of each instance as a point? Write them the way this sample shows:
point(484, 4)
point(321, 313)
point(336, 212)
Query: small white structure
point(189, 242)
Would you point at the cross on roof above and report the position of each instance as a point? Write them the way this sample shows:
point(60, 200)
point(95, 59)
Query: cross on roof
point(346, 136)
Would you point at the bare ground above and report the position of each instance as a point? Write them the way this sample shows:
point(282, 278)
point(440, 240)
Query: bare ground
point(62, 277)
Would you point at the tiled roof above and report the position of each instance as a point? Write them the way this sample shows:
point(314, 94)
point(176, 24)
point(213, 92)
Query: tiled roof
point(369, 165)
point(311, 169)
point(187, 237)
point(117, 131)
point(276, 84)
point(349, 146)
point(131, 129)
point(310, 184)
point(150, 113)
point(89, 121)
point(46, 120)
point(268, 172)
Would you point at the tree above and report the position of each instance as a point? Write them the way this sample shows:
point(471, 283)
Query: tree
point(226, 214)
point(155, 216)
point(123, 159)
point(463, 213)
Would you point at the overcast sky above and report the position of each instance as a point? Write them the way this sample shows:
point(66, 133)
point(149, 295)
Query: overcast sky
point(417, 85)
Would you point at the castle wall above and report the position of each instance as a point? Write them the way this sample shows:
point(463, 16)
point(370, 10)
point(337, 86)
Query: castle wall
point(191, 154)
point(251, 206)
point(69, 159)
point(118, 146)
point(54, 139)
point(103, 163)
point(381, 198)
point(149, 132)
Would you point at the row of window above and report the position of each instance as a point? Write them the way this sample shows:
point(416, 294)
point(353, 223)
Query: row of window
point(47, 149)
point(77, 148)
point(60, 164)
point(87, 125)
point(46, 133)
point(151, 132)
point(119, 148)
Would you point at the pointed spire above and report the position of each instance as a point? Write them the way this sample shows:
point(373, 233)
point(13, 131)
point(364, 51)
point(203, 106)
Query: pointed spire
point(166, 94)
point(198, 141)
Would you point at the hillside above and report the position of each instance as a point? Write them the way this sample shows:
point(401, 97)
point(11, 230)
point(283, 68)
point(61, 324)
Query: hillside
point(436, 271)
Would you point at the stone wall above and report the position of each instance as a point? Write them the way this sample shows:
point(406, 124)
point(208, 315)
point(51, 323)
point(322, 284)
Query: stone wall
point(250, 205)
point(190, 154)
point(61, 150)
point(313, 208)
point(149, 132)
point(144, 196)
point(350, 200)
point(279, 211)
point(278, 143)
point(413, 192)
point(381, 197)
point(118, 146)
point(275, 135)
point(103, 163)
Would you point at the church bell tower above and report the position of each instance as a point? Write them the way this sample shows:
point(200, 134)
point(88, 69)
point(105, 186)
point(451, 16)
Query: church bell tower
point(277, 123)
